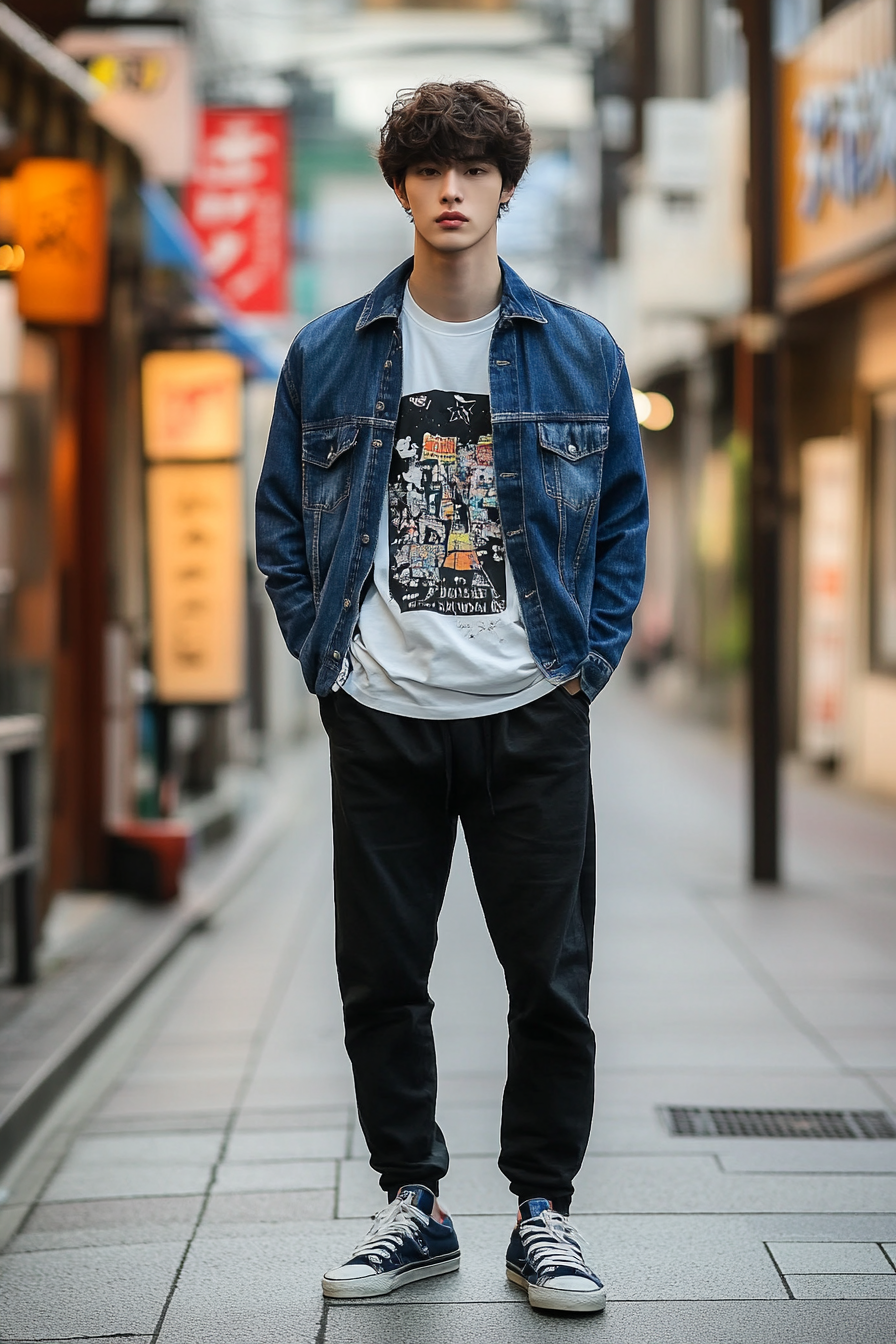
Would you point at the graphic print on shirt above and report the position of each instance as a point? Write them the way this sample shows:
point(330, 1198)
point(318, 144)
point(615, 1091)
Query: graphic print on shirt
point(446, 546)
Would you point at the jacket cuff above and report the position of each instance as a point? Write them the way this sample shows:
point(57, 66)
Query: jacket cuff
point(595, 673)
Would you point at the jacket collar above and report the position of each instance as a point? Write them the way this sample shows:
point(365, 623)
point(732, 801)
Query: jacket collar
point(384, 302)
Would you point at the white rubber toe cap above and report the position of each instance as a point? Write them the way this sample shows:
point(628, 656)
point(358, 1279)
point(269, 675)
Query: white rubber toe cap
point(346, 1272)
point(569, 1293)
point(573, 1283)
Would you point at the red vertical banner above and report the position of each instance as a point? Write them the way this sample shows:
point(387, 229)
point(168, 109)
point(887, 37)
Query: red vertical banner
point(238, 205)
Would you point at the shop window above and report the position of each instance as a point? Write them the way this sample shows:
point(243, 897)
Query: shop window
point(883, 555)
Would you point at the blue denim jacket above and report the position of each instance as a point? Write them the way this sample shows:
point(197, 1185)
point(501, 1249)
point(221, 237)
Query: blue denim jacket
point(568, 466)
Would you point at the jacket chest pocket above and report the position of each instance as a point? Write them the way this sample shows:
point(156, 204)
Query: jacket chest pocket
point(572, 459)
point(327, 465)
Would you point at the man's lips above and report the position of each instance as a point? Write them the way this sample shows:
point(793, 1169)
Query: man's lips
point(451, 219)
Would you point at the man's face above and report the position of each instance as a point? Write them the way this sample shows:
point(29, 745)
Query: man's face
point(454, 205)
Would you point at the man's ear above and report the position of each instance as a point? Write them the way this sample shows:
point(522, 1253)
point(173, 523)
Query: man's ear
point(506, 194)
point(398, 188)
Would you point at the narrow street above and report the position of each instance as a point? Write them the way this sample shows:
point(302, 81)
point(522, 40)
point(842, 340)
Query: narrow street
point(205, 1168)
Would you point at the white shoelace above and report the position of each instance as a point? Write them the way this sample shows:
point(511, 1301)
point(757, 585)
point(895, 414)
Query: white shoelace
point(389, 1228)
point(551, 1242)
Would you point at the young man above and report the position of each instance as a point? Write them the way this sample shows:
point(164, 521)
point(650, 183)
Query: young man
point(452, 519)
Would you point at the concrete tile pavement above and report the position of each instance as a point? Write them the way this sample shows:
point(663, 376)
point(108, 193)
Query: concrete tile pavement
point(627, 1323)
point(224, 1170)
point(99, 1290)
point(99, 952)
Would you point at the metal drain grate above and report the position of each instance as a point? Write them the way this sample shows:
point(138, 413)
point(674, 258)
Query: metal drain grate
point(717, 1122)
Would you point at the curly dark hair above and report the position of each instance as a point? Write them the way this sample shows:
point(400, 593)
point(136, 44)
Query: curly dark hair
point(455, 122)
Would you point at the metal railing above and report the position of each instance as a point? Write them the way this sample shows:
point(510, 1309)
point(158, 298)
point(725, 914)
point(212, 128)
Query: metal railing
point(20, 737)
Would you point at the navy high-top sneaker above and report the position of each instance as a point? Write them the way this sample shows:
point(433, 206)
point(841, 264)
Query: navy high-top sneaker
point(547, 1258)
point(405, 1242)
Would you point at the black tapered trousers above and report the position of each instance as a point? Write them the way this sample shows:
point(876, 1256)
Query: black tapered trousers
point(520, 784)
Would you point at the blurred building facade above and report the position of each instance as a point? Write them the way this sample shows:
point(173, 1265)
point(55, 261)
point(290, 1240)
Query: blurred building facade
point(670, 92)
point(69, 433)
point(131, 618)
point(670, 85)
point(837, 294)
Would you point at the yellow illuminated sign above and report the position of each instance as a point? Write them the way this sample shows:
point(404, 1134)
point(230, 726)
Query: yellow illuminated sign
point(197, 573)
point(192, 405)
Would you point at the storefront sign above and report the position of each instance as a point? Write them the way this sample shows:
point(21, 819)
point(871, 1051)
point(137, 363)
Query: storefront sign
point(147, 73)
point(838, 139)
point(848, 139)
point(59, 218)
point(197, 574)
point(828, 544)
point(192, 405)
point(238, 206)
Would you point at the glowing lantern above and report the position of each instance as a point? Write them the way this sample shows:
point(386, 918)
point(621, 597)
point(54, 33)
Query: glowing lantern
point(60, 226)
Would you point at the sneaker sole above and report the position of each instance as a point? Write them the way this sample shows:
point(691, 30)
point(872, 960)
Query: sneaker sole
point(380, 1284)
point(558, 1299)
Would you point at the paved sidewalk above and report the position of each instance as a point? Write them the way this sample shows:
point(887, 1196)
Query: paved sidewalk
point(98, 951)
point(217, 1169)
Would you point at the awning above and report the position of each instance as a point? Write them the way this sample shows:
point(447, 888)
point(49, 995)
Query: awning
point(169, 241)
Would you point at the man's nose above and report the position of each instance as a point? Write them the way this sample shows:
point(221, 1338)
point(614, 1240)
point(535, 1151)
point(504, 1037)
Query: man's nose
point(451, 187)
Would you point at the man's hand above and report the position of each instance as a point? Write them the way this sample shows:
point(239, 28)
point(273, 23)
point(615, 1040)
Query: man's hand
point(573, 687)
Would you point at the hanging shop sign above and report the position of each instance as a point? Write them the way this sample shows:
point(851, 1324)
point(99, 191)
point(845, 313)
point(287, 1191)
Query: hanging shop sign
point(838, 145)
point(237, 204)
point(149, 98)
point(192, 425)
point(197, 579)
point(192, 405)
point(828, 547)
point(59, 211)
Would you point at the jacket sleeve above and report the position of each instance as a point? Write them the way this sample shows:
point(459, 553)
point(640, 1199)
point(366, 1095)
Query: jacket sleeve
point(621, 539)
point(279, 524)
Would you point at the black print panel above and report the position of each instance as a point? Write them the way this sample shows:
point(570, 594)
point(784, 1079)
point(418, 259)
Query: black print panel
point(446, 547)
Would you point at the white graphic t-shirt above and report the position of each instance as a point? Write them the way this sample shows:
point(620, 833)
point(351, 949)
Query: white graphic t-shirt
point(440, 634)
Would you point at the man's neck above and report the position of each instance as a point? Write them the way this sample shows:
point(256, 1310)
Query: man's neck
point(455, 286)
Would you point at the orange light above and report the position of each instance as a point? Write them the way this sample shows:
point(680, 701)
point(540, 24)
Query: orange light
point(661, 412)
point(654, 411)
point(12, 258)
point(60, 226)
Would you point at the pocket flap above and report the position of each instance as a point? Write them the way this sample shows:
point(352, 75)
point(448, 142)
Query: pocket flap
point(323, 445)
point(573, 441)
